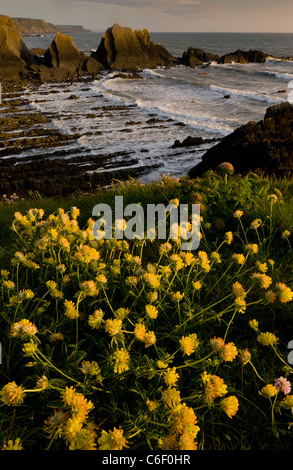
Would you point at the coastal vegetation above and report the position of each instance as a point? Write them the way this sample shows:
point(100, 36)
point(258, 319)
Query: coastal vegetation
point(136, 344)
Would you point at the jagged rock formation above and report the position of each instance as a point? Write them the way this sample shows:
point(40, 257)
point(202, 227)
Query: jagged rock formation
point(125, 50)
point(63, 53)
point(265, 146)
point(14, 55)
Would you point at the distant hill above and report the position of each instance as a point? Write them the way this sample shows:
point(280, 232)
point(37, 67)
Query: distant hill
point(30, 26)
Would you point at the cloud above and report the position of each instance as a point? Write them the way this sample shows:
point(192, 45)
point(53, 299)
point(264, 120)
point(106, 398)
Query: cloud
point(166, 6)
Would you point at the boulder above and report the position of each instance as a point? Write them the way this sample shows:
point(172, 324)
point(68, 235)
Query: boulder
point(15, 57)
point(265, 146)
point(195, 56)
point(122, 49)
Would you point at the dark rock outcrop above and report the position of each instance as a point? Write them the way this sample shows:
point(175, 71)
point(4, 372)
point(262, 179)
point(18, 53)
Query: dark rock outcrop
point(122, 49)
point(195, 56)
point(192, 142)
point(243, 57)
point(265, 146)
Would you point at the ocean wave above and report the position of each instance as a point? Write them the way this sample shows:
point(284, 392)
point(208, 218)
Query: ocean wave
point(152, 73)
point(284, 76)
point(246, 94)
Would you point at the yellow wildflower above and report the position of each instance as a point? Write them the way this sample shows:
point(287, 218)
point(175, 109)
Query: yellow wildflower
point(238, 290)
point(89, 288)
point(122, 313)
point(171, 377)
point(188, 258)
point(229, 405)
point(9, 285)
point(112, 440)
point(152, 404)
point(228, 352)
point(238, 257)
point(4, 273)
point(149, 339)
point(75, 212)
point(12, 394)
point(42, 382)
point(152, 296)
point(90, 368)
point(23, 328)
point(287, 402)
point(26, 294)
point(265, 281)
point(217, 344)
point(153, 280)
point(251, 248)
point(214, 386)
point(268, 391)
point(165, 248)
point(256, 223)
point(70, 310)
point(189, 343)
point(286, 234)
point(101, 280)
point(270, 296)
point(113, 327)
point(215, 256)
point(176, 262)
point(267, 339)
point(85, 439)
point(262, 267)
point(237, 214)
point(140, 331)
point(285, 294)
point(244, 356)
point(184, 420)
point(122, 359)
point(171, 396)
point(95, 319)
point(197, 285)
point(240, 304)
point(161, 364)
point(253, 324)
point(72, 428)
point(151, 311)
point(177, 296)
point(187, 442)
point(13, 445)
point(29, 349)
point(229, 237)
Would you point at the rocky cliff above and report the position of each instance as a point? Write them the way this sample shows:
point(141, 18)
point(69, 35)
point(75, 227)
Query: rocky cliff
point(31, 26)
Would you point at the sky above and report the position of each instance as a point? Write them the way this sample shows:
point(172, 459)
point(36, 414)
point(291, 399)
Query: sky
point(161, 15)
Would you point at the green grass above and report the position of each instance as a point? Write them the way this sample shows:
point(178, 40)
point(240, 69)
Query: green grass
point(134, 395)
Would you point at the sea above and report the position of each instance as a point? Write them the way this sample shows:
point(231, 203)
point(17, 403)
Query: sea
point(144, 117)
